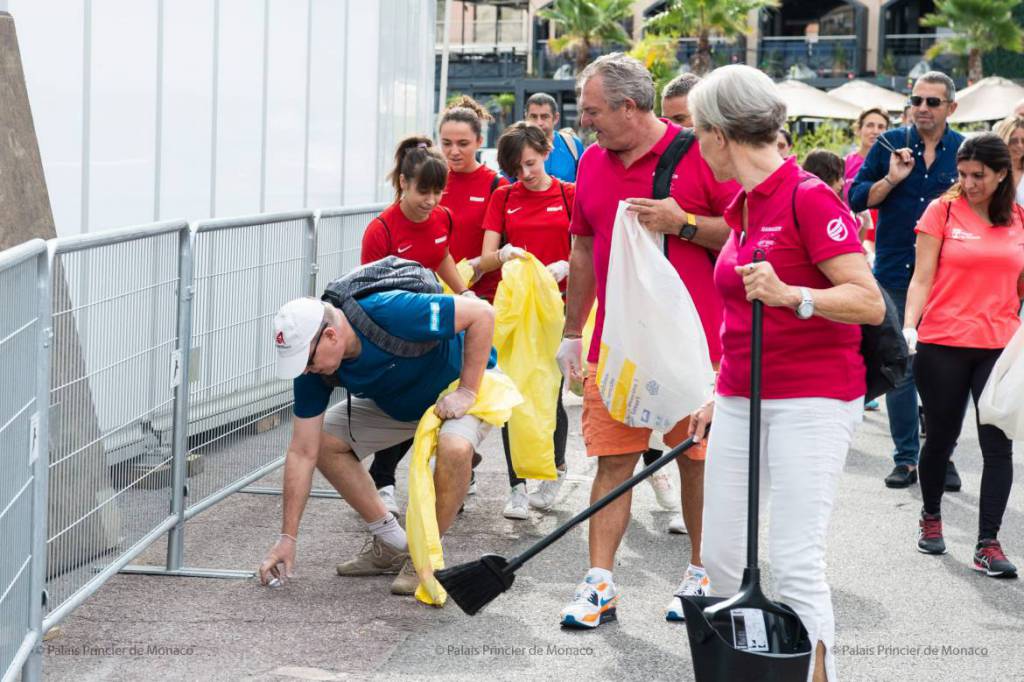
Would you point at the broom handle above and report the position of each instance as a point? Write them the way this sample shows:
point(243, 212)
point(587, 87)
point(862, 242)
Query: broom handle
point(516, 562)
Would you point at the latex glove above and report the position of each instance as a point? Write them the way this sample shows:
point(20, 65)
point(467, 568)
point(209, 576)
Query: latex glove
point(455, 404)
point(569, 359)
point(508, 252)
point(559, 270)
point(282, 553)
point(910, 334)
point(469, 293)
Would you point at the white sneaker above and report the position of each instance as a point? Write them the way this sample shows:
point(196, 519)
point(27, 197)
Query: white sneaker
point(663, 490)
point(594, 603)
point(677, 525)
point(693, 585)
point(518, 505)
point(546, 494)
point(387, 496)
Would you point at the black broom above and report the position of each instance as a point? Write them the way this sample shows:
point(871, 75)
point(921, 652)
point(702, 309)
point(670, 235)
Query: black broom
point(475, 584)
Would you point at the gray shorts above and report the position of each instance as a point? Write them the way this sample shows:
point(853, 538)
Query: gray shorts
point(373, 430)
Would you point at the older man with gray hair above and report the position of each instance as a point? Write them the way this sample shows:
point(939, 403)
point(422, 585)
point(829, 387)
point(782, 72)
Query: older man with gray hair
point(616, 101)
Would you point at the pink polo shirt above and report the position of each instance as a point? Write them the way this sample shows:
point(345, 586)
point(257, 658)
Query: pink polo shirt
point(602, 182)
point(813, 358)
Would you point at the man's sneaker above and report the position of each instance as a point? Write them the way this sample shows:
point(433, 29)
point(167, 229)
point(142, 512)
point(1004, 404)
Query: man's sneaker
point(990, 560)
point(952, 483)
point(677, 525)
point(547, 492)
point(387, 496)
point(693, 585)
point(518, 505)
point(929, 536)
point(375, 558)
point(663, 490)
point(594, 603)
point(472, 484)
point(902, 476)
point(406, 581)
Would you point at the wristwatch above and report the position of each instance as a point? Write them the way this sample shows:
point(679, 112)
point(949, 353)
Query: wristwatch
point(806, 308)
point(689, 229)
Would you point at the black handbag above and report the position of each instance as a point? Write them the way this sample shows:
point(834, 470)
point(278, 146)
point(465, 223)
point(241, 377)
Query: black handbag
point(886, 356)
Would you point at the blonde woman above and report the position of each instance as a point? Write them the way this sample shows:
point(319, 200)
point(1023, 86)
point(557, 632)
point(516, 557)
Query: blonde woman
point(1011, 129)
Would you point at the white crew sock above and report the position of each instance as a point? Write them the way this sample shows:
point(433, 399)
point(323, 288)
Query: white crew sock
point(599, 575)
point(389, 532)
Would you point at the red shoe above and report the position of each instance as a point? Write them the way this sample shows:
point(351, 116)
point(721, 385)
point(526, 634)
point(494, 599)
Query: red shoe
point(929, 537)
point(989, 559)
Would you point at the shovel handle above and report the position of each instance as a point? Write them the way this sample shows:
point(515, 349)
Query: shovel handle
point(754, 447)
point(516, 562)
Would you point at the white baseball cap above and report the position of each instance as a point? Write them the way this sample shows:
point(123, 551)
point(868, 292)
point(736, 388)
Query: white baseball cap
point(295, 325)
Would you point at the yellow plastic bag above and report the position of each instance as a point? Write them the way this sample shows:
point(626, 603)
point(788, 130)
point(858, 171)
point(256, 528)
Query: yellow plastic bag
point(529, 317)
point(494, 403)
point(465, 272)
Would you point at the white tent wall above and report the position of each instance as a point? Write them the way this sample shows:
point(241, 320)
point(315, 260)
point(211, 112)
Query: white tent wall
point(157, 109)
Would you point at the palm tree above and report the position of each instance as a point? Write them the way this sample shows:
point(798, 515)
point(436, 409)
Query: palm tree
point(979, 26)
point(702, 19)
point(583, 24)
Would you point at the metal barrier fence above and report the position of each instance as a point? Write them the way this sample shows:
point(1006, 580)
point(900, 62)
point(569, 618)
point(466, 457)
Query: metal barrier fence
point(24, 327)
point(150, 348)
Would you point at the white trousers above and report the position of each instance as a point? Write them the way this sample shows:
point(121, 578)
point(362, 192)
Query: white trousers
point(804, 442)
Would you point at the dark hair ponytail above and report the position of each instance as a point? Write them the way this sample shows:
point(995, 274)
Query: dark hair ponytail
point(419, 162)
point(990, 150)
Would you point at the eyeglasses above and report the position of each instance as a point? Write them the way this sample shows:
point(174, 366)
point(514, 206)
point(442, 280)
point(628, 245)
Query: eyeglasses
point(932, 102)
point(316, 342)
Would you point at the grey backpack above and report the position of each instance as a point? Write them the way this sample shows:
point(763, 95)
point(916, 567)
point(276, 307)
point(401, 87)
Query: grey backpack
point(390, 273)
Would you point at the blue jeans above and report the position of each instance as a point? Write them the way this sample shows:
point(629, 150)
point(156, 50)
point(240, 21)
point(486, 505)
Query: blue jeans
point(901, 402)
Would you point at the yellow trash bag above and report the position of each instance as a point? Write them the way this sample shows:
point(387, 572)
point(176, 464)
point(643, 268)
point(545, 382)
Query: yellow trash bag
point(465, 272)
point(529, 318)
point(494, 403)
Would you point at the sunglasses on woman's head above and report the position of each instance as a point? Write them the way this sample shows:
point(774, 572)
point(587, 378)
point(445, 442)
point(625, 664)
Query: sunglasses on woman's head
point(932, 102)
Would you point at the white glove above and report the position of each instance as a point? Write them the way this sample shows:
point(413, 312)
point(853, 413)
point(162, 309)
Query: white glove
point(910, 334)
point(456, 404)
point(559, 270)
point(569, 359)
point(508, 252)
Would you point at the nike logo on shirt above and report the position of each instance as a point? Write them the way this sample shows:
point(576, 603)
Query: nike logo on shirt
point(513, 210)
point(403, 249)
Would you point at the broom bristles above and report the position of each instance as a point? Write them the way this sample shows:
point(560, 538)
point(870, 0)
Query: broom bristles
point(474, 585)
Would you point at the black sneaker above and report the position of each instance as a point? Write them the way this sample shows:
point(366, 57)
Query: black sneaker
point(929, 535)
point(952, 478)
point(902, 476)
point(990, 560)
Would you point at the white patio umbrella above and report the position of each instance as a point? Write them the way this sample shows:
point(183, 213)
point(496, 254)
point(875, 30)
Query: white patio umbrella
point(989, 99)
point(865, 95)
point(804, 101)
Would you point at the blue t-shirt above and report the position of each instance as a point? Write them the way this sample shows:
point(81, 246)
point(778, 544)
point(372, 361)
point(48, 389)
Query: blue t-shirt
point(561, 163)
point(402, 387)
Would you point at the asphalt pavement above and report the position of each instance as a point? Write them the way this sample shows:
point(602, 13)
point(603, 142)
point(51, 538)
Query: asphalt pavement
point(900, 615)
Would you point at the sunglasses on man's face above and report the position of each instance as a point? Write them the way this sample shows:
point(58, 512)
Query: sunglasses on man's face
point(316, 342)
point(932, 102)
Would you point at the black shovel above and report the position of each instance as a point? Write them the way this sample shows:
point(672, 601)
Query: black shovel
point(748, 636)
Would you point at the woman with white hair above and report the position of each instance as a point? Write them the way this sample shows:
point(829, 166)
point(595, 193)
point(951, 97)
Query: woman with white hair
point(794, 247)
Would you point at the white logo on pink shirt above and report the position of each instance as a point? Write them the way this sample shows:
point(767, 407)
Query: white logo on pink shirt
point(964, 235)
point(836, 230)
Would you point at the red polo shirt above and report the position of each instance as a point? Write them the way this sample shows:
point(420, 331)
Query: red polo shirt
point(535, 221)
point(814, 358)
point(603, 182)
point(392, 234)
point(467, 196)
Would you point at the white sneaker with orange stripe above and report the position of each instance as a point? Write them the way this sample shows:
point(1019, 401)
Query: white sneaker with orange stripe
point(695, 584)
point(594, 603)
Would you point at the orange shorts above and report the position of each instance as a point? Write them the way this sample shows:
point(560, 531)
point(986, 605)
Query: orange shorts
point(606, 436)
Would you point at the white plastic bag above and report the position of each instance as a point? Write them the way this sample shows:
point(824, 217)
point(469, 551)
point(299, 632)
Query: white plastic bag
point(1002, 402)
point(654, 368)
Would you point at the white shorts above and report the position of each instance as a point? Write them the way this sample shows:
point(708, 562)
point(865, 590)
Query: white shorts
point(372, 430)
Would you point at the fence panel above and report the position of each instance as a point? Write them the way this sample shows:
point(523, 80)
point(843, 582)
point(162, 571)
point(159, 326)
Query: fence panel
point(245, 269)
point(114, 317)
point(339, 238)
point(20, 412)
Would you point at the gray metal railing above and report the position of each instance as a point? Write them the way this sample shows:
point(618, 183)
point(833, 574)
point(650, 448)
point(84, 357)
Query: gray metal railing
point(137, 366)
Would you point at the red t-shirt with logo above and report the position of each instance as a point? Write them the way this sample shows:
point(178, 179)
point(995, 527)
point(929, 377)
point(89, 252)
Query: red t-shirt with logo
point(535, 221)
point(973, 302)
point(393, 234)
point(602, 182)
point(467, 196)
point(814, 358)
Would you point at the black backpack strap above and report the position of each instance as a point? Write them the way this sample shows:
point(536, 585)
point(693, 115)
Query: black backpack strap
point(494, 183)
point(387, 231)
point(667, 163)
point(796, 220)
point(565, 202)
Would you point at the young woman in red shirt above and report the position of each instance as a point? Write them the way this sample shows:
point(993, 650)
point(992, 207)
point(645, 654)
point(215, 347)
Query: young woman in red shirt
point(531, 215)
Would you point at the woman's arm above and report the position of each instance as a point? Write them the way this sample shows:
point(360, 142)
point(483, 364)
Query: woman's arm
point(926, 262)
point(489, 260)
point(450, 274)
